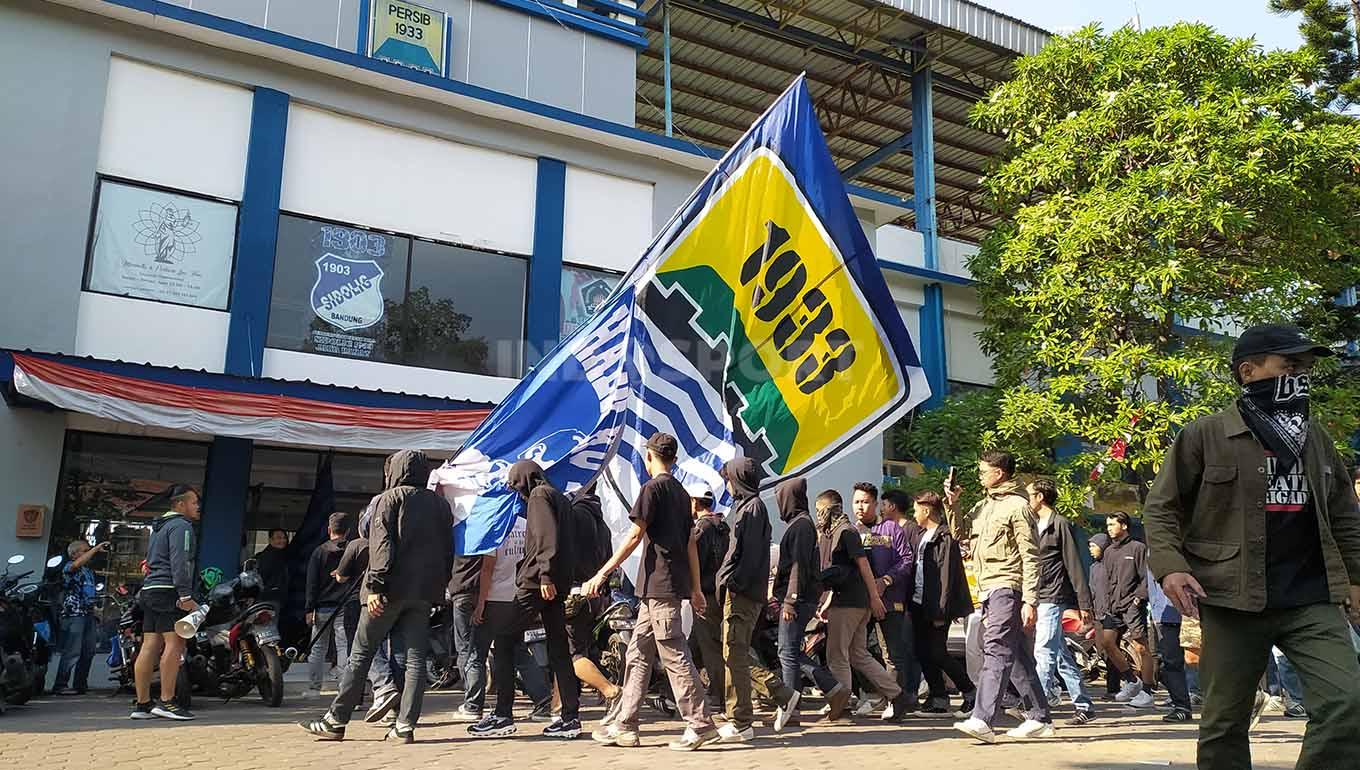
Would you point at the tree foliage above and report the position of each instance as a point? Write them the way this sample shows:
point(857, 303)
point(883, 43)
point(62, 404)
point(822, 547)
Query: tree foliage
point(1161, 189)
point(1327, 29)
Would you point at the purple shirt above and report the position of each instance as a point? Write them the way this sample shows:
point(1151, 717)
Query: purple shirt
point(890, 555)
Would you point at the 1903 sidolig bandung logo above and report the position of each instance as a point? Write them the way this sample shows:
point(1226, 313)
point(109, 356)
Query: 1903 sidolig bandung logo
point(348, 292)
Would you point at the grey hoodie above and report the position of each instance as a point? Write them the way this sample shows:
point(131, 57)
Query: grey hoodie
point(170, 555)
point(746, 568)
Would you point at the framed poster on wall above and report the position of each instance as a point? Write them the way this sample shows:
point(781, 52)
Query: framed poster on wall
point(409, 35)
point(156, 244)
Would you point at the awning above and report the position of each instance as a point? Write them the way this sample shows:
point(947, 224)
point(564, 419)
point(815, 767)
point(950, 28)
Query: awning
point(242, 407)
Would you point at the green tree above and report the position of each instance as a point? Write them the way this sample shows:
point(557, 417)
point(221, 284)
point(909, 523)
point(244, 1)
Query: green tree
point(1329, 30)
point(1155, 179)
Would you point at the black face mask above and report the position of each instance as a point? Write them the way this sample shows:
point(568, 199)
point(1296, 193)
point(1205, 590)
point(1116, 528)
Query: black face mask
point(1276, 410)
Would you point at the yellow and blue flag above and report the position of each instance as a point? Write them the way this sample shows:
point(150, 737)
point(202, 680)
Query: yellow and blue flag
point(756, 324)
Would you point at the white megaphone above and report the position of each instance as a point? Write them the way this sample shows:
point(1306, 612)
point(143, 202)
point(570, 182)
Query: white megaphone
point(188, 625)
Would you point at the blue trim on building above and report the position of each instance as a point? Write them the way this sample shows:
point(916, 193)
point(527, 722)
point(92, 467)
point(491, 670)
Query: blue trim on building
point(584, 20)
point(257, 234)
point(352, 59)
point(227, 383)
point(613, 7)
point(365, 27)
point(930, 275)
point(543, 316)
point(226, 487)
point(934, 355)
point(923, 160)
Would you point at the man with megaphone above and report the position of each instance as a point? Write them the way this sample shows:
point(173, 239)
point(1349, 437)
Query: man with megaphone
point(166, 595)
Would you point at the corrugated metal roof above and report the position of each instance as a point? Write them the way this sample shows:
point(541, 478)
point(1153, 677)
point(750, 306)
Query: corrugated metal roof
point(731, 58)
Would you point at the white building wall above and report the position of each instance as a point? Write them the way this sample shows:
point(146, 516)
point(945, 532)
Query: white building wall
point(176, 130)
point(144, 332)
point(364, 173)
point(375, 375)
point(607, 220)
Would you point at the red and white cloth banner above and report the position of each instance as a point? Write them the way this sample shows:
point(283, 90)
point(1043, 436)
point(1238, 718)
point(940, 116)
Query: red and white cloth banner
point(261, 416)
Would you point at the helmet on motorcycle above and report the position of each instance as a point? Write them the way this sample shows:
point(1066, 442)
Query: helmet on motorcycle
point(248, 581)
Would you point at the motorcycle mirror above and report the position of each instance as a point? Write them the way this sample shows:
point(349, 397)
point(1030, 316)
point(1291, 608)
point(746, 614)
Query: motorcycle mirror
point(99, 586)
point(55, 561)
point(16, 558)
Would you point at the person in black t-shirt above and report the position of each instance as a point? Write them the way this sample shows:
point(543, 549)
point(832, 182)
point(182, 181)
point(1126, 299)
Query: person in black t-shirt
point(669, 573)
point(853, 598)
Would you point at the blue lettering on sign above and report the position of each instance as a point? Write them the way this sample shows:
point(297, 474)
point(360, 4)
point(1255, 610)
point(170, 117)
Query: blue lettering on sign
point(354, 241)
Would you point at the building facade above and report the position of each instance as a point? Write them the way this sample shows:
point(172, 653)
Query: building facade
point(245, 235)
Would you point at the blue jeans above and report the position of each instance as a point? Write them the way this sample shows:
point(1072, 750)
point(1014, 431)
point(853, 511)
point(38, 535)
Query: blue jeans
point(1284, 671)
point(78, 638)
point(316, 660)
point(472, 665)
point(792, 660)
point(1050, 652)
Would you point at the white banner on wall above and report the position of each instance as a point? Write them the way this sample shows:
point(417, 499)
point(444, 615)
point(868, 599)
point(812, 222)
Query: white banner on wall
point(158, 245)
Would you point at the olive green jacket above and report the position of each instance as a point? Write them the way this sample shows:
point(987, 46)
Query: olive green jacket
point(1000, 530)
point(1206, 512)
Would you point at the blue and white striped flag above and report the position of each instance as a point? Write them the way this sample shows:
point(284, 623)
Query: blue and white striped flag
point(757, 323)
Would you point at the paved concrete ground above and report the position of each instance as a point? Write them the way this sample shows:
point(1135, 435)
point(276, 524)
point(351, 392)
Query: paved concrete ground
point(94, 732)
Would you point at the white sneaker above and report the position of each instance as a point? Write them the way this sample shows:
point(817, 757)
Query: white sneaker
point(784, 713)
point(869, 704)
point(1142, 700)
point(693, 739)
point(889, 712)
point(1015, 712)
point(729, 733)
point(1032, 728)
point(613, 735)
point(1128, 691)
point(1274, 705)
point(977, 729)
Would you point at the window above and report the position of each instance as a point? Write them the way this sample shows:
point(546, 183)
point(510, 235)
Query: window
point(282, 482)
point(155, 244)
point(583, 291)
point(337, 290)
point(358, 293)
point(109, 490)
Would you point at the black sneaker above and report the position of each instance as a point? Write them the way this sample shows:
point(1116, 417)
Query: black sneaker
point(1177, 715)
point(493, 727)
point(542, 713)
point(172, 710)
point(324, 729)
point(141, 711)
point(1082, 717)
point(382, 703)
point(565, 729)
point(969, 703)
point(401, 736)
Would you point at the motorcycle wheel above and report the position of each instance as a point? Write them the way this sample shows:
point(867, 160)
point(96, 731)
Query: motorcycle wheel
point(184, 688)
point(269, 676)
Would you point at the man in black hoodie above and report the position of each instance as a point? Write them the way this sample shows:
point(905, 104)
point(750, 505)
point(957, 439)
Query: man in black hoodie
point(543, 582)
point(711, 537)
point(410, 561)
point(593, 544)
point(743, 585)
point(795, 586)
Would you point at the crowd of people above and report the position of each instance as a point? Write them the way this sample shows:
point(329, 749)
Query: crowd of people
point(1251, 552)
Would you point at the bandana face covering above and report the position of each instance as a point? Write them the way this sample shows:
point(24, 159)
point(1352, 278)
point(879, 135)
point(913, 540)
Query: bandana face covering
point(1277, 412)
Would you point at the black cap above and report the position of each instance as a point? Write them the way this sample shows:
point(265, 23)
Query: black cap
point(1283, 339)
point(663, 444)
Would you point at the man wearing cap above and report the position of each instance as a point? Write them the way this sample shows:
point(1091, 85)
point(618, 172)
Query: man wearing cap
point(669, 573)
point(1254, 529)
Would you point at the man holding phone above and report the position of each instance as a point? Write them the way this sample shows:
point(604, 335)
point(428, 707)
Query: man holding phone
point(1006, 559)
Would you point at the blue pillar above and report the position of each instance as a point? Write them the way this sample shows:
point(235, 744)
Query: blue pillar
point(225, 492)
point(543, 316)
point(933, 348)
point(257, 234)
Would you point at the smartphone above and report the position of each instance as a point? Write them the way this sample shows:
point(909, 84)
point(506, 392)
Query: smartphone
point(950, 483)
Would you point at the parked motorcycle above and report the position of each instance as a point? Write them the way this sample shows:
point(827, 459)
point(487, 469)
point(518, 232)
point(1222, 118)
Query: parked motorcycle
point(236, 647)
point(612, 632)
point(25, 633)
